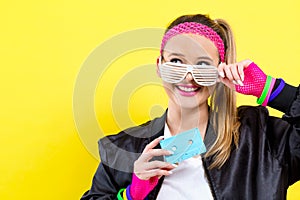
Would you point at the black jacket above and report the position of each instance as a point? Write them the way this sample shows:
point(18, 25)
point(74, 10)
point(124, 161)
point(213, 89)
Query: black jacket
point(264, 165)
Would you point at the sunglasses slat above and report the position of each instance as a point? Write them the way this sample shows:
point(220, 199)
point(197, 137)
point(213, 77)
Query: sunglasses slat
point(203, 75)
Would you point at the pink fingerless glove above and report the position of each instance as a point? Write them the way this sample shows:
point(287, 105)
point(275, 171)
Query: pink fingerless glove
point(139, 189)
point(254, 81)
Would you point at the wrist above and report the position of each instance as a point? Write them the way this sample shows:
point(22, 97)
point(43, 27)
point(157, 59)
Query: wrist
point(139, 189)
point(254, 81)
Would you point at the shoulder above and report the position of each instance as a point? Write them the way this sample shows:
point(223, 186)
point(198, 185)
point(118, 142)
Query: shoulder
point(259, 115)
point(244, 111)
point(127, 135)
point(253, 114)
point(136, 134)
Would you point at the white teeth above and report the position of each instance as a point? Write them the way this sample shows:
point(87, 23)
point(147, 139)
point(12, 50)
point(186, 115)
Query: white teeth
point(187, 89)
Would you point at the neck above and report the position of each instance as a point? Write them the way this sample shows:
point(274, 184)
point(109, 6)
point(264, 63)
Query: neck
point(182, 119)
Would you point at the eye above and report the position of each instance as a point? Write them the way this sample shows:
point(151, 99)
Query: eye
point(203, 63)
point(176, 60)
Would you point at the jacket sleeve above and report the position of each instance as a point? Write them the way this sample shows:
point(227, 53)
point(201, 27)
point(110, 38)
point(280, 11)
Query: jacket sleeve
point(288, 102)
point(107, 180)
point(103, 186)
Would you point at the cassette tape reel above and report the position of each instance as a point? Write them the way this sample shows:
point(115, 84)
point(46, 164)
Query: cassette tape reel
point(184, 145)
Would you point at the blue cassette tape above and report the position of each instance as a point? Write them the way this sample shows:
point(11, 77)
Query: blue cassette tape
point(184, 145)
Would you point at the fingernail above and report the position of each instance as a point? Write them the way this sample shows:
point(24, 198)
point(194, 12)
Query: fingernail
point(170, 172)
point(222, 74)
point(161, 137)
point(171, 152)
point(234, 82)
point(240, 82)
point(174, 165)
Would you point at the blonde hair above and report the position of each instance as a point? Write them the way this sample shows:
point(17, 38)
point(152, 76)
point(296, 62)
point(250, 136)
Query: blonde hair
point(223, 111)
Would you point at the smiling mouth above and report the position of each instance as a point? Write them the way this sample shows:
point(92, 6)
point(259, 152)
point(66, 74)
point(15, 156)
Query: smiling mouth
point(188, 89)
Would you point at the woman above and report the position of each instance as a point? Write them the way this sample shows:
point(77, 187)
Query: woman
point(250, 155)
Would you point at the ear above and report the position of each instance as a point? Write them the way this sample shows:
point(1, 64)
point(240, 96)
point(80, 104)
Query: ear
point(157, 67)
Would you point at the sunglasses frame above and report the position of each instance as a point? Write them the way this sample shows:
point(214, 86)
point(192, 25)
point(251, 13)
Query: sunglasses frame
point(204, 75)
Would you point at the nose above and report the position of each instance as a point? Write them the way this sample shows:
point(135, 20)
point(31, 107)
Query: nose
point(189, 77)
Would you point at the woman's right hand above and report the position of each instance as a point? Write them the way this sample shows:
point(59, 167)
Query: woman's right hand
point(146, 172)
point(145, 169)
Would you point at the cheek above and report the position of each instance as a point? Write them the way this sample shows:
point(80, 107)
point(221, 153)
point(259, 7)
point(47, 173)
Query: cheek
point(169, 88)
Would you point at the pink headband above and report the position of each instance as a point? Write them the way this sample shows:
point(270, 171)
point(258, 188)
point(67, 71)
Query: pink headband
point(195, 28)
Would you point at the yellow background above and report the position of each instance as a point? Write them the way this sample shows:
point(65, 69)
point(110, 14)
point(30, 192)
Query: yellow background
point(42, 47)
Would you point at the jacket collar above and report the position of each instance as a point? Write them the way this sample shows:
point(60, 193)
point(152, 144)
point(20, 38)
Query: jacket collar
point(158, 125)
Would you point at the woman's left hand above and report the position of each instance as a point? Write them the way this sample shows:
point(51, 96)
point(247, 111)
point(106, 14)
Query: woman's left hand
point(233, 74)
point(245, 77)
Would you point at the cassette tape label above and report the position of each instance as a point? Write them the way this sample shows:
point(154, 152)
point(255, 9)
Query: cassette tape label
point(184, 145)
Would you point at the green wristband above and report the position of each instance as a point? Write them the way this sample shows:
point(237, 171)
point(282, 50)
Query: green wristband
point(264, 93)
point(119, 194)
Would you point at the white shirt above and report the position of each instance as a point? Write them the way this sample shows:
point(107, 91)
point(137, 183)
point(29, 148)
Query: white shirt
point(188, 180)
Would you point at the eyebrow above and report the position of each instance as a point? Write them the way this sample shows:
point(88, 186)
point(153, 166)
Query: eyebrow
point(205, 57)
point(200, 57)
point(176, 54)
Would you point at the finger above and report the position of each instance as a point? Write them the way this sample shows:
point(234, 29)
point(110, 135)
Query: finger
point(164, 173)
point(154, 152)
point(151, 169)
point(155, 172)
point(221, 70)
point(170, 167)
point(228, 73)
point(153, 144)
point(241, 71)
point(235, 74)
point(228, 83)
point(246, 63)
point(146, 174)
point(159, 165)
